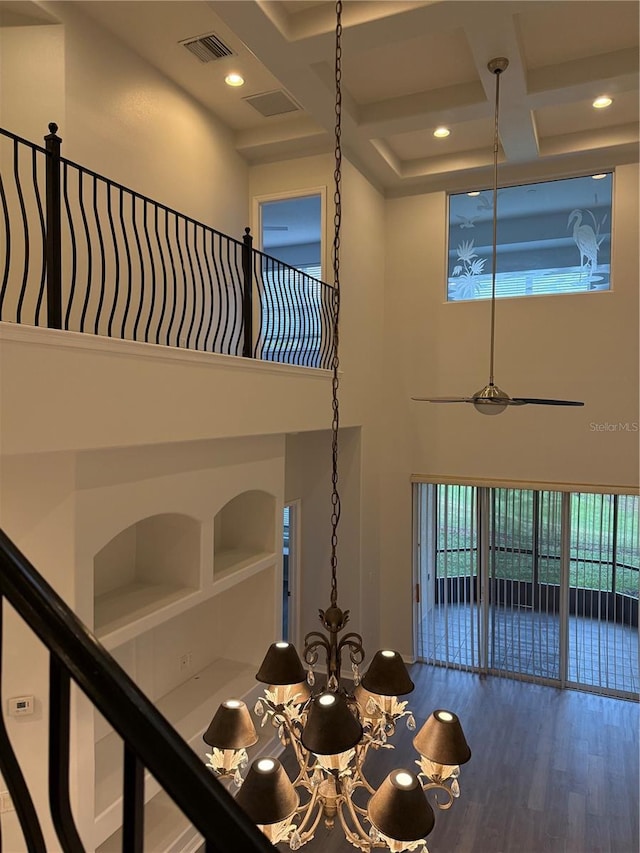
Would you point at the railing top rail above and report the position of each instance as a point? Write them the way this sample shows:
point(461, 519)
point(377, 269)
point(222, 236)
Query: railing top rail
point(90, 172)
point(127, 709)
point(293, 269)
point(152, 201)
point(21, 139)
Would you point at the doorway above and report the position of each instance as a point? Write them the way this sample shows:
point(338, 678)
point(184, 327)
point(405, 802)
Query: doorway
point(533, 584)
point(290, 571)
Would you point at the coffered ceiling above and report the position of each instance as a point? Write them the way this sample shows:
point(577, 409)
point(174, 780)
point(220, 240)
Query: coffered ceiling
point(408, 68)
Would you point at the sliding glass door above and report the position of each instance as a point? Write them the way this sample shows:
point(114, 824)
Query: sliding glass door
point(541, 585)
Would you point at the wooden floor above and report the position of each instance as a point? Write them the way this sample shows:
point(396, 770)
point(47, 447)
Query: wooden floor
point(552, 771)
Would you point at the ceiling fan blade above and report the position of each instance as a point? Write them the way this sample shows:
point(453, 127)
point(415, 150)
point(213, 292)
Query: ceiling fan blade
point(443, 399)
point(540, 401)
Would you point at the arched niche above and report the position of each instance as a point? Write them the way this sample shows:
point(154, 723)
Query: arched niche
point(244, 530)
point(145, 566)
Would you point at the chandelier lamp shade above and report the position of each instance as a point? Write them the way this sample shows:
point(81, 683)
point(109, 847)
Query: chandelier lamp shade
point(331, 730)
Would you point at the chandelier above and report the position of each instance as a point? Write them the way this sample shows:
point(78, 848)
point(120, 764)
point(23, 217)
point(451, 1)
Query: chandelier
point(332, 730)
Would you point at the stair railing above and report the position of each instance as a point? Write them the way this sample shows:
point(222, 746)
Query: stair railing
point(149, 740)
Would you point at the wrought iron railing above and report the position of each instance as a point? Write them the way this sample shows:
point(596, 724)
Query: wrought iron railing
point(149, 740)
point(296, 314)
point(81, 252)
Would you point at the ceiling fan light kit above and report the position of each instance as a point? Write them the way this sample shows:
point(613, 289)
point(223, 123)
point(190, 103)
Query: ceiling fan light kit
point(492, 400)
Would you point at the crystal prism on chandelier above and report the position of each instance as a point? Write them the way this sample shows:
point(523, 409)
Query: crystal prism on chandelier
point(332, 729)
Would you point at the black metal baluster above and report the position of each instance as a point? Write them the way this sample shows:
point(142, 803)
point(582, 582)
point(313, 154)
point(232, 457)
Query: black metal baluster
point(141, 259)
point(25, 230)
point(210, 283)
point(258, 350)
point(152, 271)
point(43, 235)
point(116, 252)
point(173, 278)
point(87, 234)
point(315, 302)
point(247, 293)
point(184, 285)
point(7, 236)
point(304, 284)
point(15, 782)
point(225, 290)
point(202, 288)
point(132, 803)
point(221, 303)
point(193, 284)
point(291, 308)
point(103, 262)
point(238, 297)
point(116, 258)
point(54, 239)
point(59, 803)
point(127, 251)
point(327, 328)
point(72, 238)
point(277, 321)
point(163, 308)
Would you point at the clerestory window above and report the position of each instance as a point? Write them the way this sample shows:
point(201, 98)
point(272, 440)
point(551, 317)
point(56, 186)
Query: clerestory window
point(552, 237)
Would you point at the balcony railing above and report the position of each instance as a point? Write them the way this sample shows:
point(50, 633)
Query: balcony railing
point(81, 252)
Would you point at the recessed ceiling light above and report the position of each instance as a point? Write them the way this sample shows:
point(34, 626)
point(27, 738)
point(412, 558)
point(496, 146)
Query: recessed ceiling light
point(234, 79)
point(474, 194)
point(441, 132)
point(599, 177)
point(602, 102)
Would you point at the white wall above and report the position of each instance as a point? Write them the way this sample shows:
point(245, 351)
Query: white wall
point(64, 390)
point(121, 117)
point(32, 79)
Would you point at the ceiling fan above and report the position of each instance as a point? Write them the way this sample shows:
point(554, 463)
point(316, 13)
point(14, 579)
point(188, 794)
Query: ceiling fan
point(491, 400)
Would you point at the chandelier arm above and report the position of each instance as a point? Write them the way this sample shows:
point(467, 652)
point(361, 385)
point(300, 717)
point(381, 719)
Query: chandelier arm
point(362, 779)
point(302, 758)
point(356, 651)
point(307, 834)
point(440, 786)
point(360, 838)
point(311, 643)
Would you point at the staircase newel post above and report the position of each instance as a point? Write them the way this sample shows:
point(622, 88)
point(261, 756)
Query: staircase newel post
point(247, 301)
point(54, 231)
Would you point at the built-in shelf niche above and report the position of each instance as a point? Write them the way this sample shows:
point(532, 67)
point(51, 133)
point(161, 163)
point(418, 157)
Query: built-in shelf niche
point(148, 566)
point(244, 534)
point(225, 660)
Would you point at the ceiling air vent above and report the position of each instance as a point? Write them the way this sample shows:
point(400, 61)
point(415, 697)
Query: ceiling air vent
point(207, 48)
point(272, 103)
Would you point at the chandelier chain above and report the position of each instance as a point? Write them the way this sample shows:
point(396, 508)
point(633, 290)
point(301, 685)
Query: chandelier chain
point(335, 361)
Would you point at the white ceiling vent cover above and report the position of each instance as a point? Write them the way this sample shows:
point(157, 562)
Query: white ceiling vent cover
point(272, 103)
point(207, 48)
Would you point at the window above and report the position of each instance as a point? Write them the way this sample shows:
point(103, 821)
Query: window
point(552, 237)
point(294, 314)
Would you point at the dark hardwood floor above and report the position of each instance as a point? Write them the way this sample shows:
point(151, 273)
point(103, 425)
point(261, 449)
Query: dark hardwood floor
point(552, 771)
